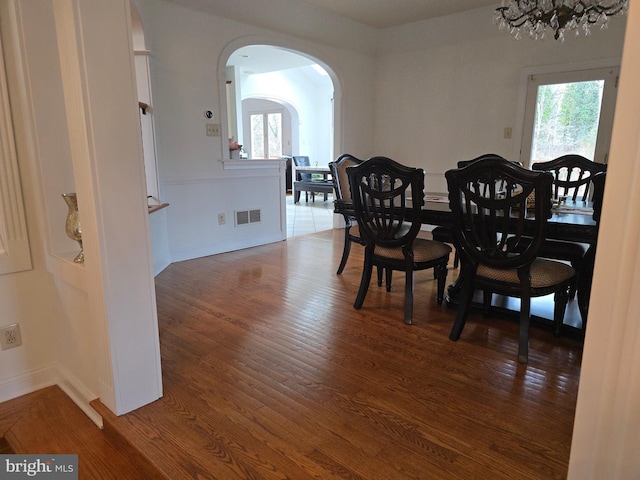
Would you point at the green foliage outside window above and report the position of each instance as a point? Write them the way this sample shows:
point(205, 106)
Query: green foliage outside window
point(566, 120)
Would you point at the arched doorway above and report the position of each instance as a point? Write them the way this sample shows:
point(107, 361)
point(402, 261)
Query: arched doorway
point(258, 68)
point(282, 102)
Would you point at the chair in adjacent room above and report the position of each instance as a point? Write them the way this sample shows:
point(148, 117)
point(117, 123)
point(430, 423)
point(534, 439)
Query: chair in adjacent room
point(342, 194)
point(483, 221)
point(304, 182)
point(385, 194)
point(572, 179)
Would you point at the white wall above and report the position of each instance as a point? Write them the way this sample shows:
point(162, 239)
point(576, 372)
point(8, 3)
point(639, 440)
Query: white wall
point(30, 298)
point(446, 88)
point(187, 49)
point(607, 423)
point(94, 331)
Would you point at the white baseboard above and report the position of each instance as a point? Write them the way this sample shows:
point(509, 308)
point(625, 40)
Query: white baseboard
point(179, 255)
point(159, 266)
point(28, 382)
point(48, 376)
point(80, 395)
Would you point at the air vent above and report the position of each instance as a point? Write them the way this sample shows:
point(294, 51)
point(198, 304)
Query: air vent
point(246, 217)
point(254, 216)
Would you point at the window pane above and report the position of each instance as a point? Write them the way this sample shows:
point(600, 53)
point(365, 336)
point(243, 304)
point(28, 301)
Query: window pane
point(257, 136)
point(274, 134)
point(566, 120)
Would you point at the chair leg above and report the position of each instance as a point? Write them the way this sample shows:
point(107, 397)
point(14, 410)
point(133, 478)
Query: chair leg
point(366, 278)
point(573, 286)
point(487, 297)
point(388, 276)
point(560, 300)
point(380, 274)
point(296, 196)
point(345, 251)
point(456, 262)
point(408, 296)
point(525, 317)
point(525, 321)
point(442, 280)
point(465, 301)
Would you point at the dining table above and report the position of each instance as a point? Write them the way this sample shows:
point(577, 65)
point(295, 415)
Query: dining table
point(323, 170)
point(324, 184)
point(570, 221)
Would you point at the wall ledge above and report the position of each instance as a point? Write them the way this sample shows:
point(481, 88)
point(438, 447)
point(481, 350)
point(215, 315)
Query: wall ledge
point(254, 163)
point(155, 208)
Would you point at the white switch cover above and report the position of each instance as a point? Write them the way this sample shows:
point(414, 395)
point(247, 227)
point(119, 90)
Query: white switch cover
point(213, 129)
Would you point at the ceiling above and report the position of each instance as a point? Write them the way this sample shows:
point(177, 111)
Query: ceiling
point(375, 13)
point(263, 58)
point(390, 13)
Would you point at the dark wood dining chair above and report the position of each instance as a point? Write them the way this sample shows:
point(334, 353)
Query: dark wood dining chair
point(585, 274)
point(342, 194)
point(573, 175)
point(484, 221)
point(443, 233)
point(387, 197)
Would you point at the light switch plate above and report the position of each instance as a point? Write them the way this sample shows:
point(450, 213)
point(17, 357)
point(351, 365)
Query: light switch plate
point(213, 129)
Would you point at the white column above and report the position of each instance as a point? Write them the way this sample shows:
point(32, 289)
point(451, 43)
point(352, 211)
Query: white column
point(98, 75)
point(606, 435)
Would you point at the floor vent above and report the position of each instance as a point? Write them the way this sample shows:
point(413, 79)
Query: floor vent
point(246, 217)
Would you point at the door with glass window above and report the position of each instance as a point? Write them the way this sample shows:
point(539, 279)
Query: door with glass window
point(266, 134)
point(569, 113)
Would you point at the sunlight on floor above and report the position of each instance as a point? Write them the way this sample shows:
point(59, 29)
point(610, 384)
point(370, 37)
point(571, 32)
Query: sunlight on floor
point(309, 217)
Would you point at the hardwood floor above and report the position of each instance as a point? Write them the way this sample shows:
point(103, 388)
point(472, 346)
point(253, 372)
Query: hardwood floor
point(270, 373)
point(48, 423)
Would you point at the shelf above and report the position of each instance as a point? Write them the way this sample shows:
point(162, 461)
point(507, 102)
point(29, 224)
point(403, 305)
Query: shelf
point(155, 208)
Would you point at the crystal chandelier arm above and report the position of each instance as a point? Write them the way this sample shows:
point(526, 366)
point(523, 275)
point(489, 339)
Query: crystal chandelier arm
point(538, 15)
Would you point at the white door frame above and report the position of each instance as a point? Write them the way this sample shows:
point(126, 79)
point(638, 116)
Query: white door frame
point(609, 74)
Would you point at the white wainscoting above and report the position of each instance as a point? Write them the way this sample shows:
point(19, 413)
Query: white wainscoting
point(196, 205)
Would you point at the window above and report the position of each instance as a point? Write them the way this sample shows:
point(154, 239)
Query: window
point(569, 113)
point(266, 135)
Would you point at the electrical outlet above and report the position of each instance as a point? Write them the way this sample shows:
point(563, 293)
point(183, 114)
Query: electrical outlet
point(213, 129)
point(221, 219)
point(10, 336)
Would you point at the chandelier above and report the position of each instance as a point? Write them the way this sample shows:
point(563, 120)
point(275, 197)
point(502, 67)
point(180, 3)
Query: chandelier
point(534, 17)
